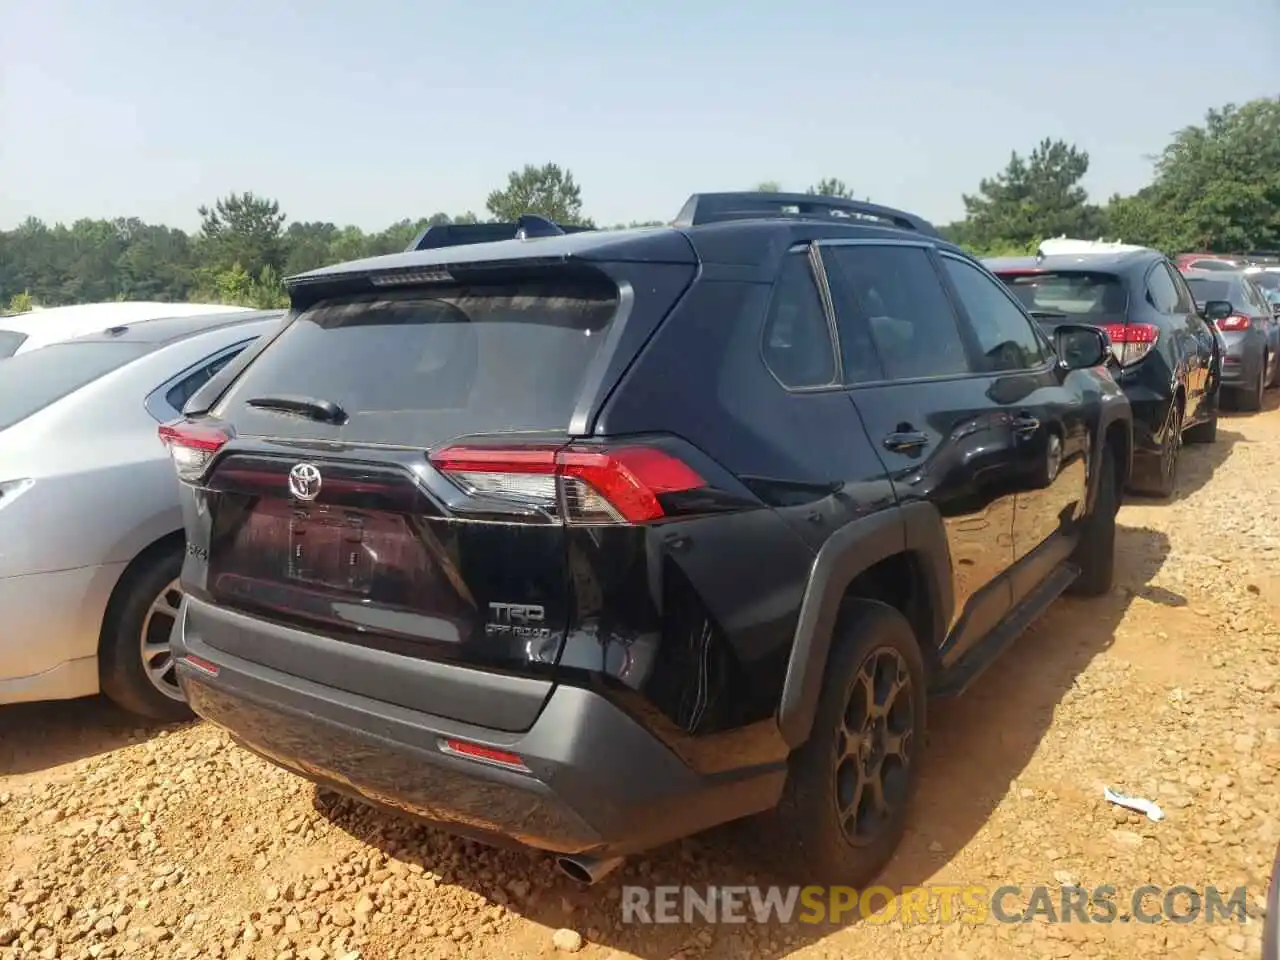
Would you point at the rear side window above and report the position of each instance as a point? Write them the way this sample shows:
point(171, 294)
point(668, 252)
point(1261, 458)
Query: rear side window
point(178, 395)
point(1075, 293)
point(1206, 290)
point(10, 341)
point(891, 307)
point(797, 338)
point(1160, 289)
point(32, 381)
point(424, 365)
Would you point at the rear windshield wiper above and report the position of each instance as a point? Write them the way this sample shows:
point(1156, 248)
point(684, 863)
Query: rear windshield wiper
point(1048, 314)
point(326, 411)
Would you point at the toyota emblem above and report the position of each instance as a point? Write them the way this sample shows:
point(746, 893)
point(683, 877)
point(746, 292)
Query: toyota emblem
point(304, 481)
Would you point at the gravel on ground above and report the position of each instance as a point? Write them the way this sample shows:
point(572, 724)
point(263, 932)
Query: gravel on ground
point(123, 841)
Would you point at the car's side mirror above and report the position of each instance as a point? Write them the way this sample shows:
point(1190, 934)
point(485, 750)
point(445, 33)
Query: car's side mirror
point(1080, 347)
point(1217, 309)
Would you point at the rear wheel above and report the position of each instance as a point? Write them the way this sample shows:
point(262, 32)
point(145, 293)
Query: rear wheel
point(1206, 432)
point(1251, 397)
point(1166, 479)
point(135, 660)
point(844, 807)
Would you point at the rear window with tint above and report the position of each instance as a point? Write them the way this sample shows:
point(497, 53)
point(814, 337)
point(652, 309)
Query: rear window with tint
point(420, 366)
point(10, 341)
point(1070, 292)
point(33, 380)
point(1206, 290)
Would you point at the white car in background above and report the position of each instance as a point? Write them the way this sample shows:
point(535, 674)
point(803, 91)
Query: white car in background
point(38, 328)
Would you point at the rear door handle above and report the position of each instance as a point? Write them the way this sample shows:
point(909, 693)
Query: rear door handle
point(905, 441)
point(1025, 425)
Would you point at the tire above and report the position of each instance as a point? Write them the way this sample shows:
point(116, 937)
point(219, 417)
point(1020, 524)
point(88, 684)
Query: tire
point(1251, 400)
point(1095, 554)
point(1206, 432)
point(145, 601)
point(1170, 453)
point(804, 837)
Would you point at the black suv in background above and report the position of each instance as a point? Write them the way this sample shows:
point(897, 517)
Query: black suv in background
point(1165, 355)
point(594, 540)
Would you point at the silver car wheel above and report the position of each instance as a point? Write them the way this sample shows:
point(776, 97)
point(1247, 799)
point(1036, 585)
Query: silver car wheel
point(157, 655)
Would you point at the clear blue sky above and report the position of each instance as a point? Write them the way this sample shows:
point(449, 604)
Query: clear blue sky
point(367, 111)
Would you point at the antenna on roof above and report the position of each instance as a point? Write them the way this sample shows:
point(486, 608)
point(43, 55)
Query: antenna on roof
point(531, 225)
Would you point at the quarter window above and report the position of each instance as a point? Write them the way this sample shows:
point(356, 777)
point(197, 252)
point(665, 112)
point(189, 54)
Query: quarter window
point(797, 338)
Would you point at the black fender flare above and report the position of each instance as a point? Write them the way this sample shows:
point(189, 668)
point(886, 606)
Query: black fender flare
point(1114, 409)
point(914, 528)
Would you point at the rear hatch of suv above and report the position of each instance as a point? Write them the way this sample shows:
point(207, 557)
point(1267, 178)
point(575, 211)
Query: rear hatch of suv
point(389, 481)
point(1094, 297)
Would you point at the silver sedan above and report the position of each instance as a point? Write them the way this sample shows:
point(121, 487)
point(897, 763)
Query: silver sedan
point(1243, 316)
point(91, 541)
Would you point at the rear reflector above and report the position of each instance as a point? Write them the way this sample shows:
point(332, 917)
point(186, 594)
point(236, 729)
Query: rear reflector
point(1233, 324)
point(1130, 342)
point(474, 751)
point(191, 446)
point(201, 664)
point(584, 485)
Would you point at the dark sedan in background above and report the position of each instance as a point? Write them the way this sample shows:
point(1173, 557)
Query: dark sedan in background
point(1166, 358)
point(1244, 316)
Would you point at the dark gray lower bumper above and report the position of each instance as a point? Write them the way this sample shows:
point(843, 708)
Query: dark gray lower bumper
point(598, 781)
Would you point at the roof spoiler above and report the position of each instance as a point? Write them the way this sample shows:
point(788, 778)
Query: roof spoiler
point(460, 234)
point(719, 207)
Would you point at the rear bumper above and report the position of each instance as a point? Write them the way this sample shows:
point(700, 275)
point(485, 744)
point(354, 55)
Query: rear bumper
point(597, 783)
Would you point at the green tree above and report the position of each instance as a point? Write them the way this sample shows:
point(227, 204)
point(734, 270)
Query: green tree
point(768, 186)
point(20, 303)
point(1032, 199)
point(831, 187)
point(548, 191)
point(244, 229)
point(1217, 186)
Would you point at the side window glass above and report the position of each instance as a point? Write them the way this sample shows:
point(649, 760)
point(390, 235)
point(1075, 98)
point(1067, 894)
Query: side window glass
point(1256, 298)
point(178, 395)
point(1186, 302)
point(893, 314)
point(797, 339)
point(1005, 334)
point(1161, 291)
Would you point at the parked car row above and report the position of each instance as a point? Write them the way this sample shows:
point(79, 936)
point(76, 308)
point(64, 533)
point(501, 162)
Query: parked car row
point(1185, 340)
point(595, 539)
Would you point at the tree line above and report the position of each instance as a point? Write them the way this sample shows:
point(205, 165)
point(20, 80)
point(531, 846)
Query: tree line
point(1215, 187)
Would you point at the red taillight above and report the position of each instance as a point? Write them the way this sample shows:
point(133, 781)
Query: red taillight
point(474, 751)
point(582, 484)
point(1130, 342)
point(1233, 324)
point(192, 446)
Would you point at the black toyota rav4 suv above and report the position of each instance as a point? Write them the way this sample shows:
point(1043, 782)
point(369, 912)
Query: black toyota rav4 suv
point(592, 540)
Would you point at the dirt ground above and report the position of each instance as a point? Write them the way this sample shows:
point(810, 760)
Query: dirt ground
point(118, 841)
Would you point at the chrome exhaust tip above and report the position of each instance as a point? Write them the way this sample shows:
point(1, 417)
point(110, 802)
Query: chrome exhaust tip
point(588, 870)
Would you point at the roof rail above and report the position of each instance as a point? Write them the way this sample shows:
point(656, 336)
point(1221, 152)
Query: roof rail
point(719, 207)
point(460, 234)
